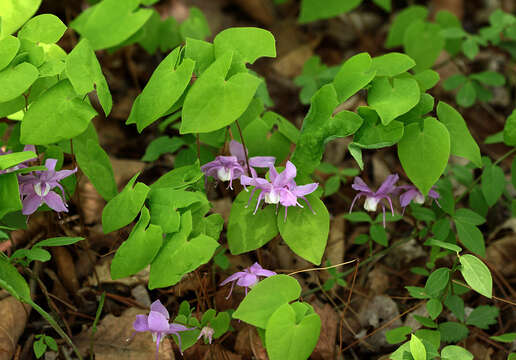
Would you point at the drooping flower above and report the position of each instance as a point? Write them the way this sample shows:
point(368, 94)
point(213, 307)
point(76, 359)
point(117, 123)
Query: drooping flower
point(282, 189)
point(36, 188)
point(157, 323)
point(411, 193)
point(206, 332)
point(373, 198)
point(228, 168)
point(247, 278)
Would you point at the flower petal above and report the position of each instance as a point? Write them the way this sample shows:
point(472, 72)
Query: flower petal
point(237, 150)
point(388, 186)
point(157, 306)
point(407, 197)
point(286, 175)
point(141, 323)
point(31, 203)
point(303, 190)
point(262, 161)
point(233, 277)
point(157, 322)
point(55, 202)
point(360, 185)
point(248, 280)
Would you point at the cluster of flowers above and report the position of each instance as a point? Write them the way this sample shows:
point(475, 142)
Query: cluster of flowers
point(388, 189)
point(157, 322)
point(281, 189)
point(36, 187)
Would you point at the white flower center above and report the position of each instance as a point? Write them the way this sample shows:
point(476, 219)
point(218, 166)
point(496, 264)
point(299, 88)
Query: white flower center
point(419, 199)
point(272, 197)
point(224, 174)
point(371, 203)
point(37, 189)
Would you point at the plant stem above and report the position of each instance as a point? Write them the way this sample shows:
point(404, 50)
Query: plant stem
point(245, 147)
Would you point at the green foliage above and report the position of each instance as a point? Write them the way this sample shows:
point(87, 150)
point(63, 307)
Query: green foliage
point(290, 338)
point(9, 194)
point(353, 75)
point(125, 206)
point(417, 349)
point(214, 101)
point(424, 153)
point(311, 10)
point(15, 14)
point(43, 122)
point(248, 231)
point(258, 306)
point(16, 80)
point(397, 335)
point(246, 43)
point(461, 141)
point(476, 274)
point(165, 87)
point(12, 281)
point(483, 316)
point(401, 23)
point(305, 232)
point(110, 22)
point(423, 42)
point(509, 130)
point(139, 249)
point(452, 352)
point(84, 72)
point(452, 332)
point(437, 281)
point(493, 183)
point(95, 164)
point(45, 28)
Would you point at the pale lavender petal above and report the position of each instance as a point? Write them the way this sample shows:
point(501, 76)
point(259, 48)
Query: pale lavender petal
point(407, 197)
point(303, 190)
point(360, 185)
point(233, 277)
point(59, 175)
point(286, 175)
point(248, 280)
point(254, 268)
point(265, 273)
point(246, 180)
point(158, 342)
point(273, 173)
point(55, 202)
point(175, 328)
point(236, 149)
point(50, 164)
point(433, 194)
point(262, 161)
point(287, 198)
point(141, 323)
point(157, 306)
point(157, 322)
point(388, 186)
point(31, 203)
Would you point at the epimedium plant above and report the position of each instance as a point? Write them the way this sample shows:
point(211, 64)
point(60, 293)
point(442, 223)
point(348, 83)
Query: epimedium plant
point(206, 92)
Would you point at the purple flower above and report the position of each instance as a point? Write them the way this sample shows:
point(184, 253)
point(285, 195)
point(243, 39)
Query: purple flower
point(373, 198)
point(206, 332)
point(157, 323)
point(247, 278)
point(282, 189)
point(36, 188)
point(228, 168)
point(411, 193)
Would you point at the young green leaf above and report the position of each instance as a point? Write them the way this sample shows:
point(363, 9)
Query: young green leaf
point(477, 275)
point(505, 338)
point(454, 352)
point(467, 94)
point(353, 75)
point(471, 237)
point(397, 335)
point(483, 316)
point(16, 80)
point(58, 241)
point(468, 216)
point(288, 338)
point(248, 231)
point(391, 100)
point(461, 141)
point(258, 306)
point(437, 281)
point(43, 122)
point(12, 281)
point(392, 64)
point(139, 249)
point(509, 130)
point(9, 194)
point(9, 47)
point(110, 22)
point(84, 72)
point(214, 101)
point(417, 349)
point(455, 304)
point(423, 42)
point(434, 308)
point(401, 22)
point(15, 14)
point(45, 28)
point(165, 87)
point(124, 207)
point(493, 183)
point(453, 331)
point(95, 164)
point(311, 10)
point(304, 232)
point(424, 154)
point(246, 43)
